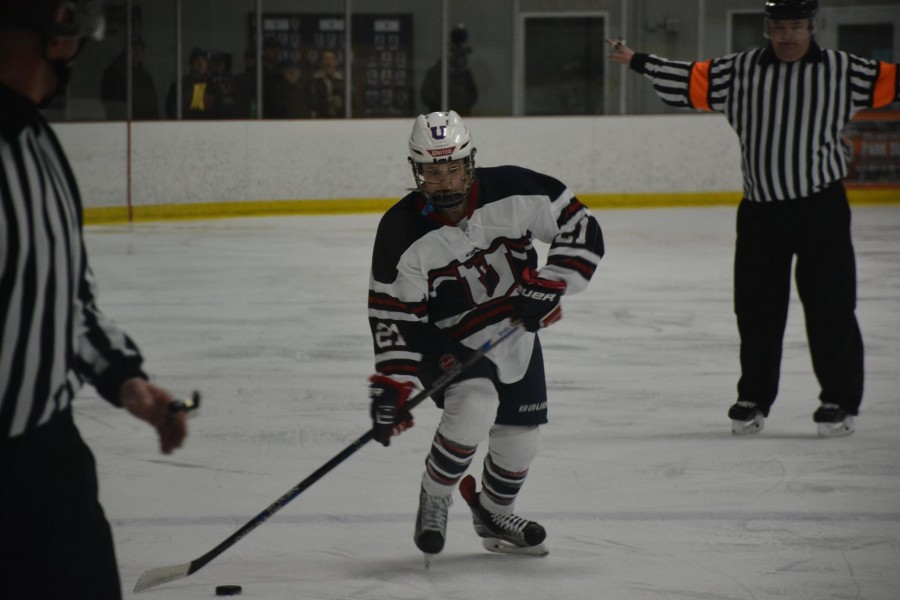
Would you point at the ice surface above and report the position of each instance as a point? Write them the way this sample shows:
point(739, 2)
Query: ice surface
point(643, 490)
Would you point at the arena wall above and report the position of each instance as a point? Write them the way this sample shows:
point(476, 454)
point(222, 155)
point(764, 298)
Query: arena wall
point(190, 169)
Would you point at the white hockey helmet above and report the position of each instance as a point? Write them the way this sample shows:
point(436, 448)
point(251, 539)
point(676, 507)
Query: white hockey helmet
point(441, 137)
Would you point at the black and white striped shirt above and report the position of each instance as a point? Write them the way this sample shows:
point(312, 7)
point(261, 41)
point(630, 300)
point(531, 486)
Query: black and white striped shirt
point(788, 116)
point(52, 336)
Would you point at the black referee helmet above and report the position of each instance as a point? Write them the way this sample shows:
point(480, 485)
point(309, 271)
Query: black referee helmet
point(789, 10)
point(55, 18)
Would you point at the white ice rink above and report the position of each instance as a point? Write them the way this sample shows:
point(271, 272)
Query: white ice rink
point(643, 490)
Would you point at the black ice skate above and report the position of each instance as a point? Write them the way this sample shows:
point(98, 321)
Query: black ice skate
point(431, 523)
point(508, 534)
point(746, 418)
point(833, 421)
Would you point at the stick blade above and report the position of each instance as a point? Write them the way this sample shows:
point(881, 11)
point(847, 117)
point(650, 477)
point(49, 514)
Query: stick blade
point(160, 575)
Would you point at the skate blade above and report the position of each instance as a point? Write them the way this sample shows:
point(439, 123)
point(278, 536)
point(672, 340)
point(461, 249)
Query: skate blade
point(501, 547)
point(829, 430)
point(750, 427)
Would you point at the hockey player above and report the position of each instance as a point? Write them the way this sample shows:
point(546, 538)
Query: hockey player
point(788, 103)
point(453, 264)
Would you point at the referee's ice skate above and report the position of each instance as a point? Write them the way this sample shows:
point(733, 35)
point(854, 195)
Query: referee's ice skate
point(508, 534)
point(833, 421)
point(746, 418)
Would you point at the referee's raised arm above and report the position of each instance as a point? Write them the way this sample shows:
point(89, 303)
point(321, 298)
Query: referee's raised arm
point(55, 540)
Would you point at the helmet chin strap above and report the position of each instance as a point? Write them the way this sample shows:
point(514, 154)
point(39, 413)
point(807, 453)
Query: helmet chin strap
point(430, 206)
point(448, 200)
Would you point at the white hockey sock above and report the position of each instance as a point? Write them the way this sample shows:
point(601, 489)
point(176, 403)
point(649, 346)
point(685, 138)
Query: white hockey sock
point(511, 451)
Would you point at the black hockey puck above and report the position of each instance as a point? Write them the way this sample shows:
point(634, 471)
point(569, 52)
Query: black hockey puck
point(228, 590)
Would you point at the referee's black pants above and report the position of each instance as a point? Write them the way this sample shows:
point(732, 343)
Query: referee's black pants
point(55, 540)
point(816, 230)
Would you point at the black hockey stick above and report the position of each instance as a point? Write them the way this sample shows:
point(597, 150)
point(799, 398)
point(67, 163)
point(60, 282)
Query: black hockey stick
point(153, 577)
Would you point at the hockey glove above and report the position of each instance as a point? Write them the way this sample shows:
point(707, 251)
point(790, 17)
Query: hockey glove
point(388, 403)
point(537, 302)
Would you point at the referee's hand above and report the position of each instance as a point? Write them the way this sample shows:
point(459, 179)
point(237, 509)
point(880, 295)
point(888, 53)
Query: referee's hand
point(151, 403)
point(621, 53)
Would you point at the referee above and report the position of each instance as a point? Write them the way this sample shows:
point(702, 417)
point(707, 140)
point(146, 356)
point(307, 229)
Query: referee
point(788, 103)
point(54, 537)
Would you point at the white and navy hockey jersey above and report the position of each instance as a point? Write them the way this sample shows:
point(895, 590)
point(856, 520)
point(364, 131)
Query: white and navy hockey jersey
point(428, 273)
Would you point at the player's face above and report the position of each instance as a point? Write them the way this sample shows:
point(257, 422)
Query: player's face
point(444, 177)
point(790, 39)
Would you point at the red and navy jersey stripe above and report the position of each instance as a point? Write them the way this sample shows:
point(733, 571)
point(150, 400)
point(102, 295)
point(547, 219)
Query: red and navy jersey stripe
point(429, 275)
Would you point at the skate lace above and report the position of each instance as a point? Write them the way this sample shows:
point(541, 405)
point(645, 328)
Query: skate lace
point(510, 523)
point(434, 512)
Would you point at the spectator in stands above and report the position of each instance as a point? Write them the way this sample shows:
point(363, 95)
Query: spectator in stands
point(328, 87)
point(462, 92)
point(113, 88)
point(197, 98)
point(272, 79)
point(224, 86)
point(292, 94)
point(245, 83)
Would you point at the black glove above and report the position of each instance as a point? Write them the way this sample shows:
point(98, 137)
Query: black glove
point(389, 417)
point(537, 303)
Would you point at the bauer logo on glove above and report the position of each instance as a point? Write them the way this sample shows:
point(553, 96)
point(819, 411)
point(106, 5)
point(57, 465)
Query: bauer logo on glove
point(537, 301)
point(540, 295)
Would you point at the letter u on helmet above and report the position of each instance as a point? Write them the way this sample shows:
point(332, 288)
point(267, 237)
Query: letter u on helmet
point(441, 137)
